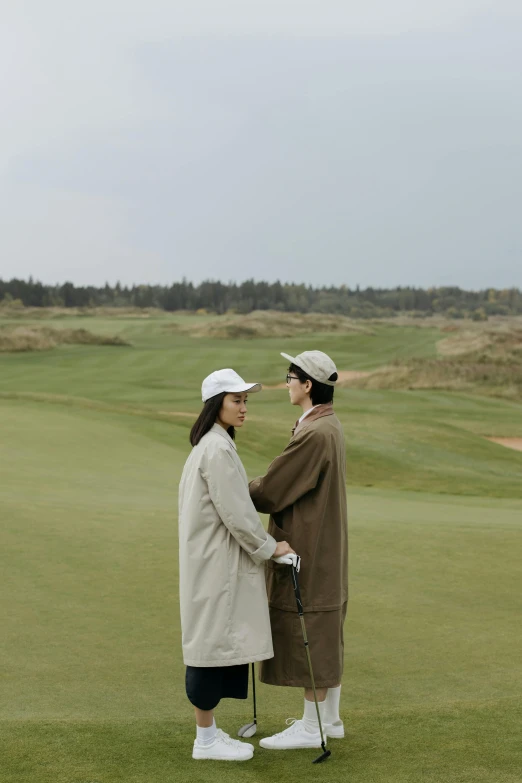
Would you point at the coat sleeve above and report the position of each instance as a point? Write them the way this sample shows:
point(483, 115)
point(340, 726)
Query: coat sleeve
point(229, 494)
point(291, 475)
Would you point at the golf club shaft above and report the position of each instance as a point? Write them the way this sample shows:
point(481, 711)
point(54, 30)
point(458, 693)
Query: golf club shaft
point(307, 648)
point(254, 691)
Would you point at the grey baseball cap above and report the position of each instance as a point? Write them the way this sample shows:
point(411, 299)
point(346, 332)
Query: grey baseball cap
point(316, 364)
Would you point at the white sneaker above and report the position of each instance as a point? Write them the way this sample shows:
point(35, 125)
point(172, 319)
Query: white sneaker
point(335, 730)
point(239, 742)
point(295, 736)
point(223, 748)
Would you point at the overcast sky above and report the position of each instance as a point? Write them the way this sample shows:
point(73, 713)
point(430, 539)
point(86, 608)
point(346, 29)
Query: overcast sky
point(361, 142)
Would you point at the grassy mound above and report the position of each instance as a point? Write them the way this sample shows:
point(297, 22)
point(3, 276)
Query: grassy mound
point(495, 378)
point(504, 340)
point(269, 323)
point(485, 359)
point(19, 312)
point(35, 338)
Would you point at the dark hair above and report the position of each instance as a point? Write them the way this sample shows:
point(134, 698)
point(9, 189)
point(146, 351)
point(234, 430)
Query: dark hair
point(207, 419)
point(320, 393)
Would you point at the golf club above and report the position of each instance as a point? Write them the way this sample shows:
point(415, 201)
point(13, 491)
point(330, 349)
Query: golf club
point(326, 753)
point(249, 729)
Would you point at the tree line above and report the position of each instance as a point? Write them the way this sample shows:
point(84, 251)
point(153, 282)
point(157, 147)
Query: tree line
point(252, 295)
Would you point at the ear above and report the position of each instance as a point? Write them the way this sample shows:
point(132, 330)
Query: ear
point(308, 386)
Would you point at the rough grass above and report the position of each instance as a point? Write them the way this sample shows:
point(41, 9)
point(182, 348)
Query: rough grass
point(496, 378)
point(52, 313)
point(486, 359)
point(269, 323)
point(503, 339)
point(37, 338)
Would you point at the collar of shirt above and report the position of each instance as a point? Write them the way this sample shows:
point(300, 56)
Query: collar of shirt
point(306, 413)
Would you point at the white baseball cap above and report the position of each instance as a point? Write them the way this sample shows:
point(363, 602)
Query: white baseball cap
point(316, 364)
point(226, 381)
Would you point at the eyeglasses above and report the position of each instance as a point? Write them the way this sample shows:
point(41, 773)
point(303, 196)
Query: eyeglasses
point(291, 377)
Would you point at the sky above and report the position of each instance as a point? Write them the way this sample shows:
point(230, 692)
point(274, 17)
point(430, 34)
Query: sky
point(329, 142)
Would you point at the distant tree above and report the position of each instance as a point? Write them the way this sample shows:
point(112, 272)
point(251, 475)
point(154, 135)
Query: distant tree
point(217, 297)
point(479, 315)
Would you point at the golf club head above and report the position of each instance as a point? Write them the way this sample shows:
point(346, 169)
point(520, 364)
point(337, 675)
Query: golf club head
point(248, 730)
point(322, 757)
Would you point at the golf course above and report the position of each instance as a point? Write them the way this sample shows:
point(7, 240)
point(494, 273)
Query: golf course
point(95, 413)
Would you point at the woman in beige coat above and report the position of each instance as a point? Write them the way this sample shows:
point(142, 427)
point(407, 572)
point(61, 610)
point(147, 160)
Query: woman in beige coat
point(222, 549)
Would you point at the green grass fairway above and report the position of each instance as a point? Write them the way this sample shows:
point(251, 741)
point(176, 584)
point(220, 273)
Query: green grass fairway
point(92, 443)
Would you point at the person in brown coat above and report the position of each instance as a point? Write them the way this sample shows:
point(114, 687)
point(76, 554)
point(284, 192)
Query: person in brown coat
point(304, 491)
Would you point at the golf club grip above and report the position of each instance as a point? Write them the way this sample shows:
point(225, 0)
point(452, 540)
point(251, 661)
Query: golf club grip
point(297, 591)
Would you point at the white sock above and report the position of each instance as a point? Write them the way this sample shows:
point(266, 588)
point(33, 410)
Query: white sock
point(333, 698)
point(206, 735)
point(310, 715)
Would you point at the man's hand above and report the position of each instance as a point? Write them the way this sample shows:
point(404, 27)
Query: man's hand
point(285, 555)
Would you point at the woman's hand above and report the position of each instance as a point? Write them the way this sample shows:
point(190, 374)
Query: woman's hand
point(283, 548)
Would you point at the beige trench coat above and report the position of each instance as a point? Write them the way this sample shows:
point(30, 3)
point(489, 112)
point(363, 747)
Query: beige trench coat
point(222, 551)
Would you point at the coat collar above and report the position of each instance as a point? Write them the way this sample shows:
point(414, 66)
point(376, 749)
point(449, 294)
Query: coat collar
point(318, 412)
point(224, 434)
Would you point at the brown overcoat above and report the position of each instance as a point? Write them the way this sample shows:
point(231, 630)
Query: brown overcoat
point(304, 491)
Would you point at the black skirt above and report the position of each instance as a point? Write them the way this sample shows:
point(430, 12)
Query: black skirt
point(207, 685)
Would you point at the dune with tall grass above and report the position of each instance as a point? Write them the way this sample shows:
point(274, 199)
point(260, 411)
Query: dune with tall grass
point(486, 359)
point(261, 324)
point(36, 338)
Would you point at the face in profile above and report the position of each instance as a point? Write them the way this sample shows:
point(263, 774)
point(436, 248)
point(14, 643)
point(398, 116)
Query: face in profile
point(297, 391)
point(233, 410)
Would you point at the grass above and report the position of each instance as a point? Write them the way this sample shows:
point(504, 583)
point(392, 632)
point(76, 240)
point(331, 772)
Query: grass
point(268, 323)
point(92, 678)
point(469, 743)
point(485, 359)
point(37, 338)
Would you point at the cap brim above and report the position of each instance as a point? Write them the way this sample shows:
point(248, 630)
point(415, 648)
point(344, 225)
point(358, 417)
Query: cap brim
point(246, 387)
point(291, 359)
